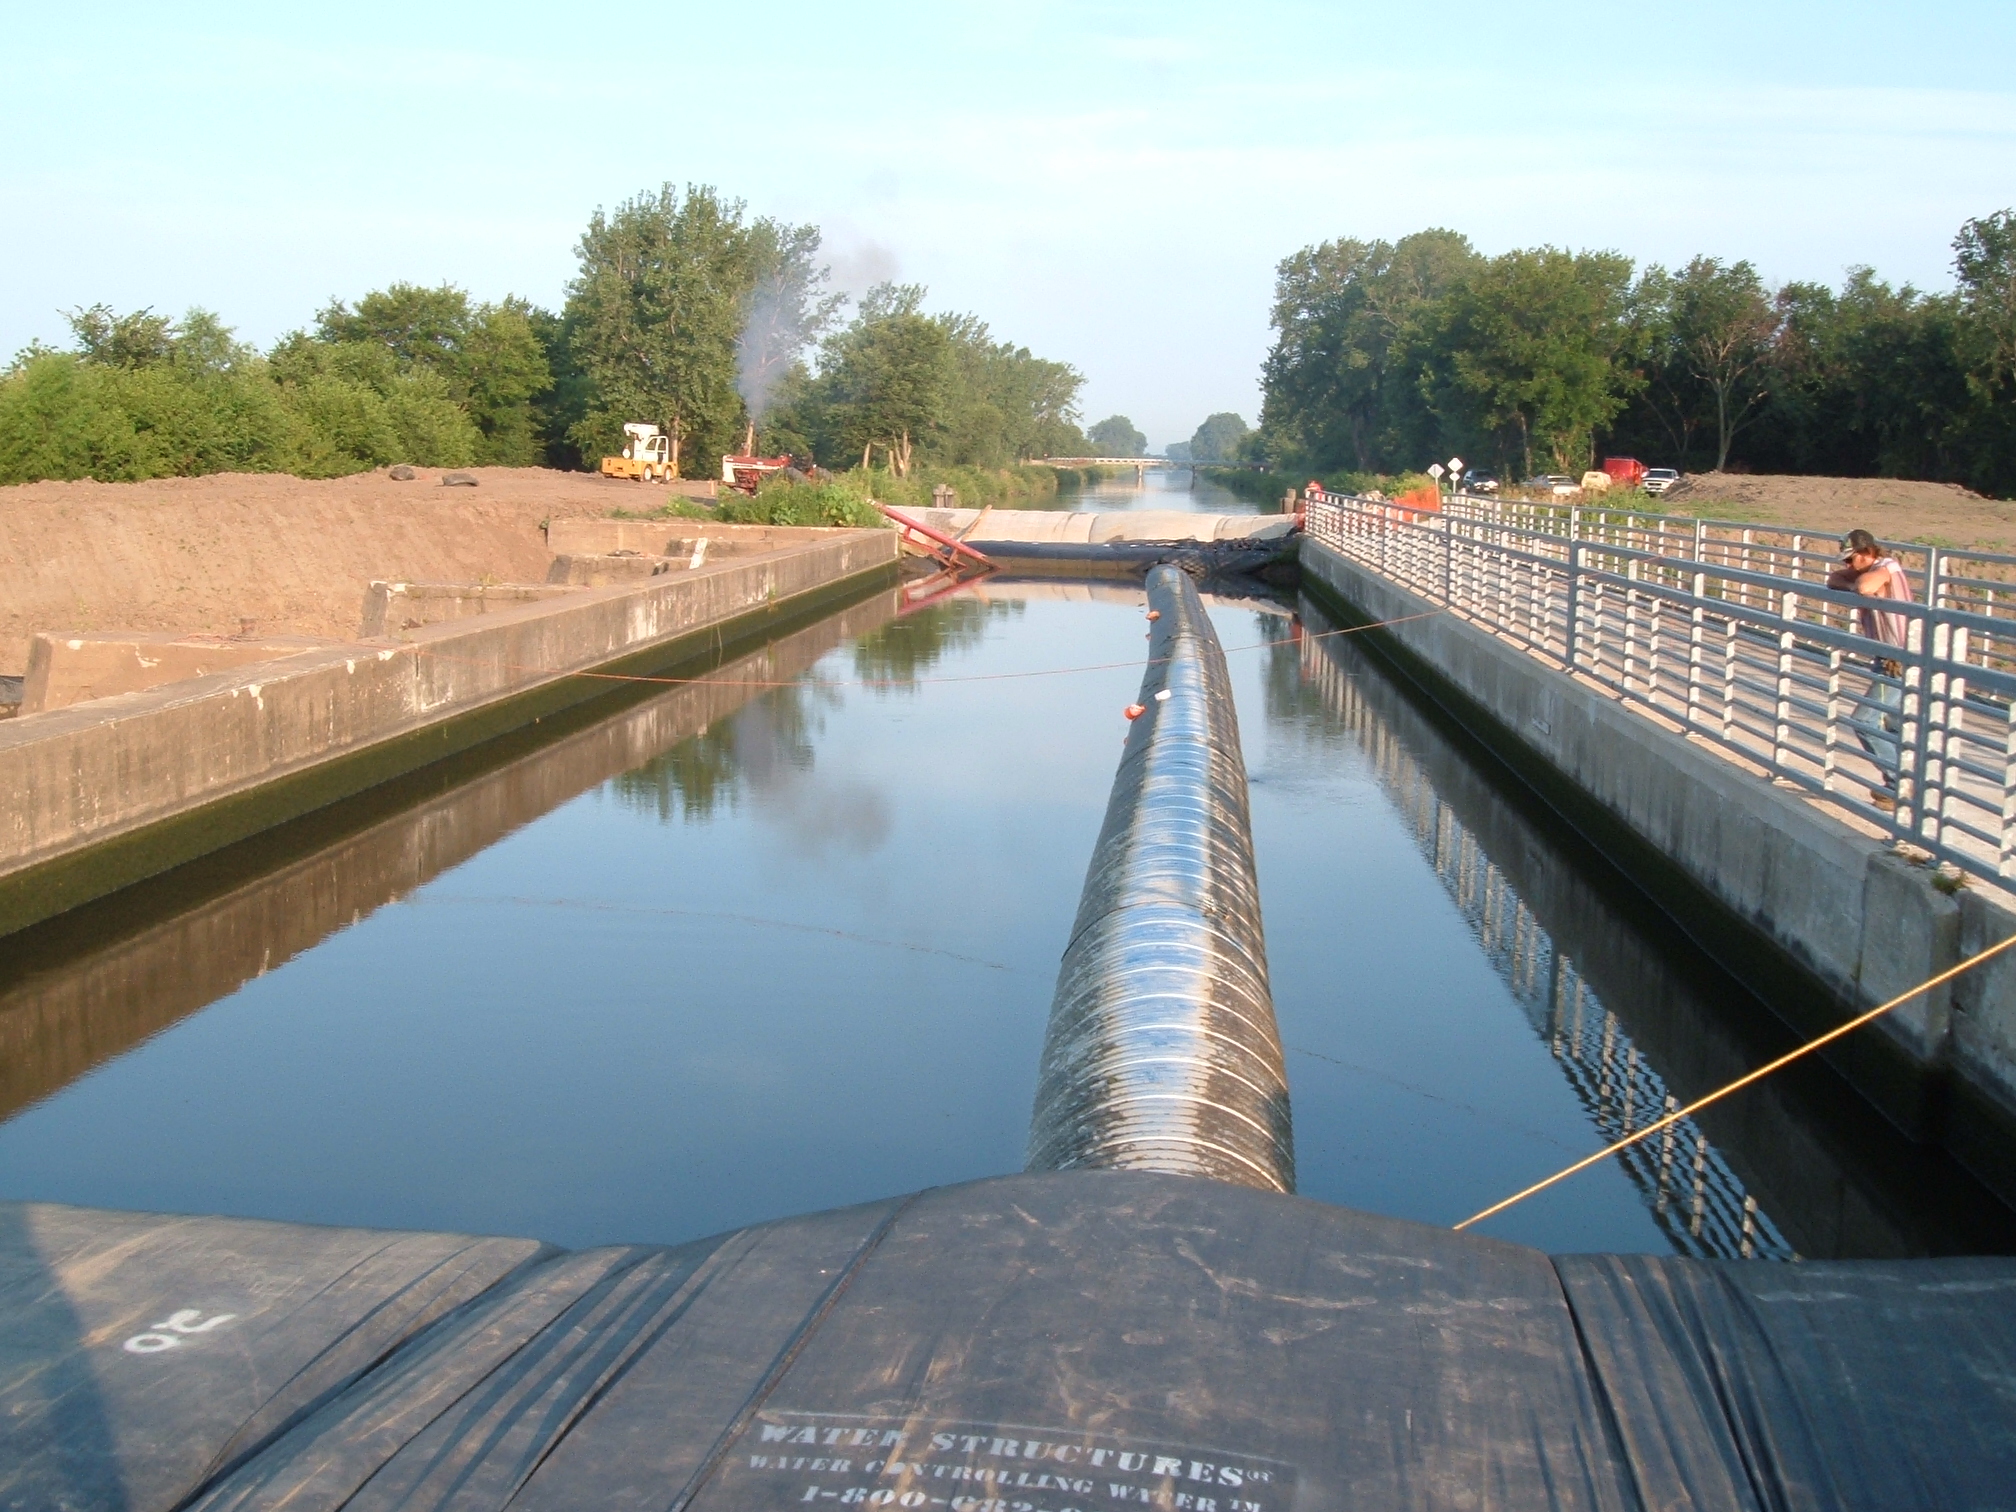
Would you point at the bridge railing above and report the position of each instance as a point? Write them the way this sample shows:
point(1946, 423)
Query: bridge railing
point(1947, 577)
point(1768, 665)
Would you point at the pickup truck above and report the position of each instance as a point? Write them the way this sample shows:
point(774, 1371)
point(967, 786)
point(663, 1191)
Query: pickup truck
point(1658, 479)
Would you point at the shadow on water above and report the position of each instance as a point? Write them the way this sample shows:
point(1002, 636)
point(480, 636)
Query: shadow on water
point(91, 984)
point(1636, 1016)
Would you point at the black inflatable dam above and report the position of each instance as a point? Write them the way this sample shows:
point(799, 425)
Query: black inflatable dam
point(1162, 1052)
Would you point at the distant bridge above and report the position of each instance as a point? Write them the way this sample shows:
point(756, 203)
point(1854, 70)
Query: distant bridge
point(1139, 464)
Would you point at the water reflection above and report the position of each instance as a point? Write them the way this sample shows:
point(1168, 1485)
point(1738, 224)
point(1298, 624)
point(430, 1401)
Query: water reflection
point(1635, 1021)
point(61, 1017)
point(1162, 488)
point(773, 941)
point(768, 752)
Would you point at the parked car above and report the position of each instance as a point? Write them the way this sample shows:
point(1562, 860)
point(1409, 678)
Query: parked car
point(1658, 479)
point(1480, 483)
point(1558, 484)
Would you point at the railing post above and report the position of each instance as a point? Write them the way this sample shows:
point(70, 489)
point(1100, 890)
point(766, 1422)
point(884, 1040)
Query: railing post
point(1630, 621)
point(1574, 601)
point(1448, 562)
point(1911, 742)
point(1831, 738)
point(1781, 724)
point(1939, 707)
point(1697, 620)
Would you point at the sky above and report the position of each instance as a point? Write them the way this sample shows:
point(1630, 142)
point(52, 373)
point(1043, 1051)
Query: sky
point(1111, 185)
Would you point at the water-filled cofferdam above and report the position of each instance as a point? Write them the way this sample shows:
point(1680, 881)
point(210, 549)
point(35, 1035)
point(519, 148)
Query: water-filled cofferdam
point(900, 1106)
point(1162, 1052)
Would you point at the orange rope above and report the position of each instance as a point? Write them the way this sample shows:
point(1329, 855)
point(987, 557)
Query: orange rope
point(1742, 1081)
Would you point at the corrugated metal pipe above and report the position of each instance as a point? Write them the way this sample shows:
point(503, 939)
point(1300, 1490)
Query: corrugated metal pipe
point(1162, 1053)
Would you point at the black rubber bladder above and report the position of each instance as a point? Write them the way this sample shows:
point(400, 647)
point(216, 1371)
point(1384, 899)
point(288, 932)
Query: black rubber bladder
point(1162, 1052)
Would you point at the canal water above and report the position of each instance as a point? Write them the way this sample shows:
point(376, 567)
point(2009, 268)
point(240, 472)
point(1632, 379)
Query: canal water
point(784, 938)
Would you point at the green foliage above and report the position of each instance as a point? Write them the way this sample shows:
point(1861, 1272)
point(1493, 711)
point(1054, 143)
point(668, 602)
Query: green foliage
point(922, 391)
point(684, 312)
point(889, 379)
point(1115, 436)
point(409, 375)
point(1217, 440)
point(1521, 355)
point(843, 498)
point(487, 360)
point(1342, 381)
point(1386, 355)
point(656, 315)
point(787, 503)
point(1267, 488)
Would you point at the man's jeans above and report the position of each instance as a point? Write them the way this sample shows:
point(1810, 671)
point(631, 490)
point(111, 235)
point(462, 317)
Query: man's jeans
point(1879, 721)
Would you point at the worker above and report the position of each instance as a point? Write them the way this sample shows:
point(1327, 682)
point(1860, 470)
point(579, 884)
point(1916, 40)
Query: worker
point(1868, 570)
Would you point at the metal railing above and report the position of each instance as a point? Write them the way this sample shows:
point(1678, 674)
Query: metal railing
point(1750, 652)
point(1948, 577)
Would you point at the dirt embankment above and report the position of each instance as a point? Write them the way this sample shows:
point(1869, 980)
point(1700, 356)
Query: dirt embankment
point(203, 554)
point(1939, 514)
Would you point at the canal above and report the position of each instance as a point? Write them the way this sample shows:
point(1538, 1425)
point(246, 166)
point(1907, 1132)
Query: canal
point(783, 938)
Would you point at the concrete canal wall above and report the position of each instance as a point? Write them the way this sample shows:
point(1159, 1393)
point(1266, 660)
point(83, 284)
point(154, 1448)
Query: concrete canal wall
point(112, 790)
point(1824, 920)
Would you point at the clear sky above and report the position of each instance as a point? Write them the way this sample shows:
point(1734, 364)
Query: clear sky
point(1110, 184)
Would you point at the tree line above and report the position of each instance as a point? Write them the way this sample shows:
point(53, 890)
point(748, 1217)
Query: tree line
point(685, 311)
point(1390, 354)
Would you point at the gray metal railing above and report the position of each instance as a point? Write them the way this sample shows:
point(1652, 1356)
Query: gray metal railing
point(1761, 660)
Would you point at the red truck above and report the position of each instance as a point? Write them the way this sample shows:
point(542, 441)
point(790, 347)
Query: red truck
point(1625, 472)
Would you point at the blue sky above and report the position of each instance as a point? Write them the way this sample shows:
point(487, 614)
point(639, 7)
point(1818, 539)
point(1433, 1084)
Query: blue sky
point(1109, 184)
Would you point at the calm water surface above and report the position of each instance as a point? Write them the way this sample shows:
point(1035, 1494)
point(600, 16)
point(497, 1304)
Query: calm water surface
point(786, 940)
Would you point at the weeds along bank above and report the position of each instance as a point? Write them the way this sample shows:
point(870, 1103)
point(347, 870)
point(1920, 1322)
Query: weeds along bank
point(849, 498)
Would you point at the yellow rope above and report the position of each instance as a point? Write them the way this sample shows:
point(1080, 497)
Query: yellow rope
point(1742, 1081)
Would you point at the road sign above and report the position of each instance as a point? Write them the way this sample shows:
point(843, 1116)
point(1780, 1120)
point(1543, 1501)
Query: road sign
point(1455, 464)
point(1434, 469)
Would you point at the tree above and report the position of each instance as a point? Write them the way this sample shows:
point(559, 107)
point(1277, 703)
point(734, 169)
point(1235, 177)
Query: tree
point(1218, 438)
point(655, 314)
point(787, 311)
point(1339, 380)
point(1984, 262)
point(488, 357)
point(1005, 405)
point(128, 341)
point(1115, 436)
point(889, 375)
point(1524, 350)
point(1722, 328)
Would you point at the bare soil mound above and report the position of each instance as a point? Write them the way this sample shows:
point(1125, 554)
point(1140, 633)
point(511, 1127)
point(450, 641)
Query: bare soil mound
point(1941, 514)
point(203, 554)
